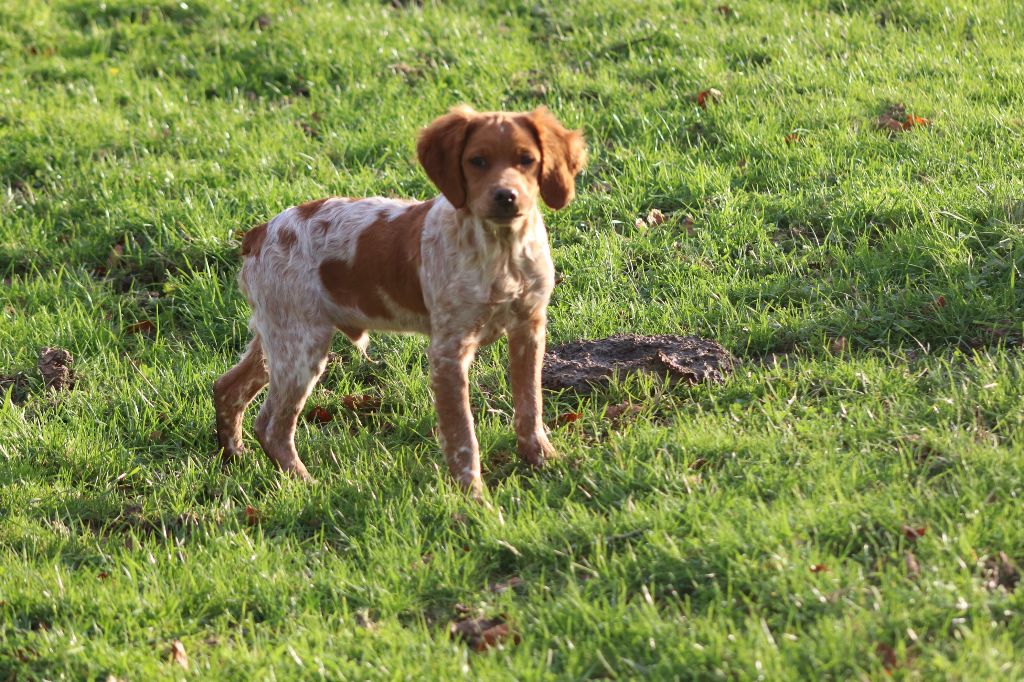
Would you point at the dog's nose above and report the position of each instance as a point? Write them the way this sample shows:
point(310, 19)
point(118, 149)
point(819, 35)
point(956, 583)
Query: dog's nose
point(505, 198)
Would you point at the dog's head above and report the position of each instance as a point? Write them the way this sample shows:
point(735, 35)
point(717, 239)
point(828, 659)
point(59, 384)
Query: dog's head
point(495, 164)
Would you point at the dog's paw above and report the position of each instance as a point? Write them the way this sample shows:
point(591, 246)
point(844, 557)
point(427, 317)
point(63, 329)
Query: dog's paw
point(537, 450)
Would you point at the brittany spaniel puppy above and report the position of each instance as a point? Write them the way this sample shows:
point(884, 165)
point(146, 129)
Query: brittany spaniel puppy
point(464, 267)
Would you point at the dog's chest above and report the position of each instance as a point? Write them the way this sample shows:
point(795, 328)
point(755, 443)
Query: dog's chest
point(518, 288)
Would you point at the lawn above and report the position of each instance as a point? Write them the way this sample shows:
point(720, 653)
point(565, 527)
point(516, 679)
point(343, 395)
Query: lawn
point(847, 505)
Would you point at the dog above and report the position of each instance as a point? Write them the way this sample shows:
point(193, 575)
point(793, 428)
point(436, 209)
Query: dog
point(464, 268)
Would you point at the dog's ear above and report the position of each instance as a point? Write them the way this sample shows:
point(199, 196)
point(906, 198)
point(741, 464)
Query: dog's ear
point(563, 155)
point(439, 149)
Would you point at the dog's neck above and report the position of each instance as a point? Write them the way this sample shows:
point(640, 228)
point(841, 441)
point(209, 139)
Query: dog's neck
point(492, 242)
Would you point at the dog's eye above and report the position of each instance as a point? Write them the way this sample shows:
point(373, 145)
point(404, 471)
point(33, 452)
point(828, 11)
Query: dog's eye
point(478, 161)
point(526, 160)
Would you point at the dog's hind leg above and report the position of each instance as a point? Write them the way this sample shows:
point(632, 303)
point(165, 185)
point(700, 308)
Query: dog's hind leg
point(296, 357)
point(233, 392)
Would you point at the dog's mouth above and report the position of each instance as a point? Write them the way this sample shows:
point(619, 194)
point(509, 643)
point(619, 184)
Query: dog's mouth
point(505, 218)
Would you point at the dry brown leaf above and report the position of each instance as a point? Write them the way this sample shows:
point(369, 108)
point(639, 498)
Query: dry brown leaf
point(819, 568)
point(567, 418)
point(178, 655)
point(623, 409)
point(481, 634)
point(319, 415)
point(913, 532)
point(655, 217)
point(360, 402)
point(252, 516)
point(709, 95)
point(887, 655)
point(116, 254)
point(895, 119)
point(504, 586)
point(141, 327)
point(838, 346)
point(1000, 572)
point(913, 568)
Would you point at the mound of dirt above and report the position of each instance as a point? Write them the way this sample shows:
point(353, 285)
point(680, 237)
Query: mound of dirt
point(55, 368)
point(585, 365)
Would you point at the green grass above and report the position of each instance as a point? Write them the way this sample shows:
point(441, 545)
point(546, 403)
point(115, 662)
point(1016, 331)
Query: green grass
point(679, 544)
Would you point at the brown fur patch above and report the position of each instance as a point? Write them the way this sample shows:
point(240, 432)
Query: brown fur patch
point(287, 238)
point(564, 155)
point(352, 333)
point(252, 241)
point(310, 208)
point(439, 150)
point(387, 259)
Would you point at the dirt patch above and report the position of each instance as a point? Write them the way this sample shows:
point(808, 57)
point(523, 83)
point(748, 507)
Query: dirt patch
point(55, 367)
point(585, 365)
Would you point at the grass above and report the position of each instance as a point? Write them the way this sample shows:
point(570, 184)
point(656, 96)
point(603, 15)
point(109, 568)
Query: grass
point(764, 528)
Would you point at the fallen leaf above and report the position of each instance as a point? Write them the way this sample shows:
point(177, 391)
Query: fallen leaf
point(895, 119)
point(725, 10)
point(55, 367)
point(888, 656)
point(655, 217)
point(364, 620)
point(319, 415)
point(1000, 572)
point(115, 256)
point(141, 327)
point(913, 568)
point(358, 402)
point(792, 138)
point(913, 533)
point(567, 418)
point(481, 634)
point(506, 585)
point(624, 409)
point(639, 223)
point(914, 121)
point(819, 568)
point(252, 516)
point(102, 575)
point(838, 346)
point(688, 224)
point(709, 95)
point(178, 655)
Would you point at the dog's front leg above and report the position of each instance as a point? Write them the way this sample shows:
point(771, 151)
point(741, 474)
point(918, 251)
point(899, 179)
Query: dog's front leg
point(526, 355)
point(450, 358)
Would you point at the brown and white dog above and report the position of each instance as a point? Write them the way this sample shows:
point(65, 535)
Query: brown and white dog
point(464, 267)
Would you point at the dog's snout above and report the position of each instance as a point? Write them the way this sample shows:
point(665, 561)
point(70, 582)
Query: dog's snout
point(505, 198)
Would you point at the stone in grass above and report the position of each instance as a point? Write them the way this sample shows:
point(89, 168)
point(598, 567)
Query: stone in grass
point(55, 368)
point(584, 365)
